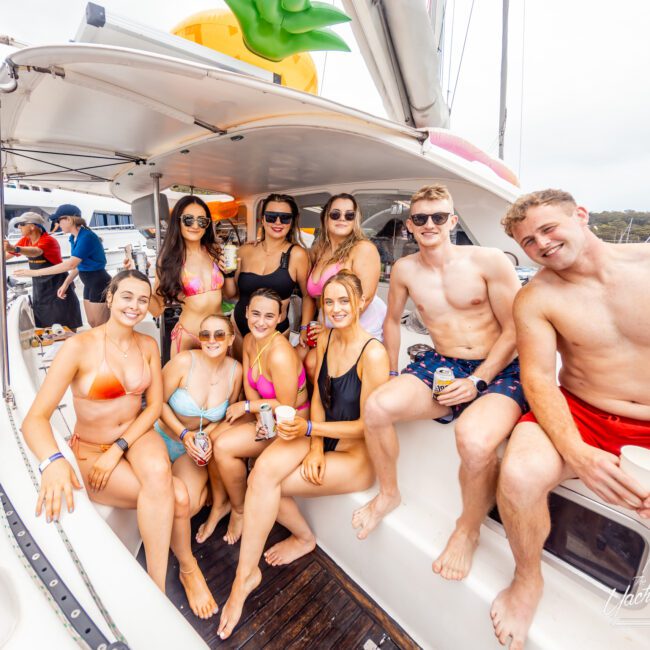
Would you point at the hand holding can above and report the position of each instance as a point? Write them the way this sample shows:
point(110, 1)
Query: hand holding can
point(230, 257)
point(313, 330)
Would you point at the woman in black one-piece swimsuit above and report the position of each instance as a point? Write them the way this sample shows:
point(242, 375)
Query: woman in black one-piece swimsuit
point(278, 261)
point(322, 456)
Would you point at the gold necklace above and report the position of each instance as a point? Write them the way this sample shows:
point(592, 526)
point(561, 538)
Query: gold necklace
point(122, 352)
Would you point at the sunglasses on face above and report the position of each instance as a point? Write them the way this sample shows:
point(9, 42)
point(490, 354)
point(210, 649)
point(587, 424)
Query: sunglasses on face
point(20, 225)
point(284, 217)
point(206, 336)
point(438, 218)
point(189, 220)
point(348, 215)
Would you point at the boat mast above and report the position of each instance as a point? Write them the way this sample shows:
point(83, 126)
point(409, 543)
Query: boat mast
point(3, 281)
point(504, 77)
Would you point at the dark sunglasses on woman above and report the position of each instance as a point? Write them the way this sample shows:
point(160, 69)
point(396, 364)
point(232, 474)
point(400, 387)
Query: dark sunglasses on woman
point(205, 336)
point(284, 217)
point(438, 218)
point(349, 215)
point(189, 220)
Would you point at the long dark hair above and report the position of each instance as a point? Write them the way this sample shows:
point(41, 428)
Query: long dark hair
point(294, 235)
point(170, 261)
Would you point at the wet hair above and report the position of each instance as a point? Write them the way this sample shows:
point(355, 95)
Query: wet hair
point(172, 252)
point(322, 244)
point(222, 318)
point(270, 294)
point(352, 285)
point(294, 235)
point(116, 280)
point(518, 211)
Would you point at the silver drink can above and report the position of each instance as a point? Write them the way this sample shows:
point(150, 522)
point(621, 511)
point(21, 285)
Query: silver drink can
point(442, 377)
point(140, 261)
point(267, 419)
point(230, 257)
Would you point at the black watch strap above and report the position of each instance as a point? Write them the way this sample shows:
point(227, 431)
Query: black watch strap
point(122, 444)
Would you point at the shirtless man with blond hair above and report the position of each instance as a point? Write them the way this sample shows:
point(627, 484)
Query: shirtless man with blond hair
point(590, 304)
point(464, 295)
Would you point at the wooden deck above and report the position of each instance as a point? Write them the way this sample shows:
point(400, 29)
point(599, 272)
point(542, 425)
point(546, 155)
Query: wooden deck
point(310, 603)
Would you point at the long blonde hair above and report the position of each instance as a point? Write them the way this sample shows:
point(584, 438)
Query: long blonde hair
point(322, 245)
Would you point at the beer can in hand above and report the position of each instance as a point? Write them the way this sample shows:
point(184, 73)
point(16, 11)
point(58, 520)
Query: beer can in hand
point(201, 441)
point(312, 337)
point(442, 377)
point(267, 419)
point(230, 257)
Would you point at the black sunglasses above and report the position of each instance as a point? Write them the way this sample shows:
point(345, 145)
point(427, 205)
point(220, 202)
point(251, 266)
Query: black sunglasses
point(438, 218)
point(20, 225)
point(206, 336)
point(284, 217)
point(189, 220)
point(349, 215)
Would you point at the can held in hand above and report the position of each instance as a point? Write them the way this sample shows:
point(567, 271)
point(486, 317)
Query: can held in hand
point(312, 338)
point(230, 257)
point(201, 441)
point(442, 377)
point(267, 419)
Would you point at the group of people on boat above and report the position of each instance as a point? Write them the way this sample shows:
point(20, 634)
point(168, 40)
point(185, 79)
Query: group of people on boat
point(200, 427)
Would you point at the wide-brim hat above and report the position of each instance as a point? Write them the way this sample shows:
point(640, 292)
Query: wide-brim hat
point(29, 217)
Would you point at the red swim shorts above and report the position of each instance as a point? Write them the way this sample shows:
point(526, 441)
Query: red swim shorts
point(601, 429)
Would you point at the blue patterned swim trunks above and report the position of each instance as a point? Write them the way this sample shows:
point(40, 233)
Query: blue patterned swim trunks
point(506, 383)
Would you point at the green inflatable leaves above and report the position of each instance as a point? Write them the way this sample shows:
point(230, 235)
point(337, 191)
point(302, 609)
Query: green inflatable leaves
point(276, 29)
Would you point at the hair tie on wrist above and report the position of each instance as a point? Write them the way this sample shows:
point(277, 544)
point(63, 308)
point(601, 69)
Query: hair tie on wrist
point(184, 432)
point(393, 373)
point(229, 275)
point(309, 427)
point(304, 327)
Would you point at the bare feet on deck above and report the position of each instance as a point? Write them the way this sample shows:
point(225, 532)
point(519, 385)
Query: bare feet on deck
point(455, 561)
point(217, 513)
point(231, 612)
point(197, 591)
point(235, 526)
point(367, 517)
point(288, 550)
point(513, 611)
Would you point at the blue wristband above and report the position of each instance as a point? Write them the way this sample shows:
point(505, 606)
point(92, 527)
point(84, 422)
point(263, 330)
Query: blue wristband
point(48, 461)
point(309, 427)
point(393, 373)
point(304, 327)
point(184, 432)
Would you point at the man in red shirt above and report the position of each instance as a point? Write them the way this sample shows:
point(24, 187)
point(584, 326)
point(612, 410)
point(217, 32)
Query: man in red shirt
point(42, 251)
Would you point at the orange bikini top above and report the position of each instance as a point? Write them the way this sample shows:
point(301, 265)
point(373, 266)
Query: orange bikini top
point(106, 385)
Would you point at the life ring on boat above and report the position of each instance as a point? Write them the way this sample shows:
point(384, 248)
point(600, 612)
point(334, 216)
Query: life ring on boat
point(466, 150)
point(219, 30)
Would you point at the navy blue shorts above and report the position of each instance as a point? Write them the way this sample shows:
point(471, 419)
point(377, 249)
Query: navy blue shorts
point(507, 382)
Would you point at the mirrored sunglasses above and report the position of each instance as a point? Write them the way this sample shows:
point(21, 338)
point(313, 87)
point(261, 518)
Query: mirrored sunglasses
point(189, 220)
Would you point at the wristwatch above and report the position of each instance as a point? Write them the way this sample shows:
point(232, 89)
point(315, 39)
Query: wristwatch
point(480, 384)
point(17, 249)
point(122, 444)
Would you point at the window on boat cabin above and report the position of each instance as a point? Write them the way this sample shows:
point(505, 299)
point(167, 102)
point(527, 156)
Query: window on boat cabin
point(103, 219)
point(384, 222)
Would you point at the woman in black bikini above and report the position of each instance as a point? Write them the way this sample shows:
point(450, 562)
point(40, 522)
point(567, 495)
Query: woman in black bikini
point(278, 261)
point(351, 364)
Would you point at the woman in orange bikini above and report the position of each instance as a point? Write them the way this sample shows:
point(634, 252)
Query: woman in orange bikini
point(123, 461)
point(187, 271)
point(273, 375)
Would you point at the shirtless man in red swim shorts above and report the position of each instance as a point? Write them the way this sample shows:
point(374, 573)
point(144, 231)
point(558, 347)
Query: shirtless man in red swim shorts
point(590, 304)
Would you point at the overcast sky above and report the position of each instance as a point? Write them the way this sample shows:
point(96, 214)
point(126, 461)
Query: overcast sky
point(584, 66)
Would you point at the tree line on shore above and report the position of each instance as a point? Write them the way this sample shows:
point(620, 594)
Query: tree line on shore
point(625, 225)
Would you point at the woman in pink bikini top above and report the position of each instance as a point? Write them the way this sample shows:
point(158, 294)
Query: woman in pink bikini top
point(188, 272)
point(273, 375)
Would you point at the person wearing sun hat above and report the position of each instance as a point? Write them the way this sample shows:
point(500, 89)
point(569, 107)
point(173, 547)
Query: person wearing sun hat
point(87, 260)
point(42, 252)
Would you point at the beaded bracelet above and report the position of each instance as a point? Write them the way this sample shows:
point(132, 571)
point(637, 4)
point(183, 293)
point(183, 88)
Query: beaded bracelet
point(304, 327)
point(309, 427)
point(393, 373)
point(184, 432)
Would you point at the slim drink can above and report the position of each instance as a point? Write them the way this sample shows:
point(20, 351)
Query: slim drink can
point(230, 257)
point(442, 377)
point(268, 421)
point(312, 341)
point(201, 441)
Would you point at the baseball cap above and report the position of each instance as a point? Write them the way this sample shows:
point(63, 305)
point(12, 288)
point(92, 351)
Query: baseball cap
point(29, 217)
point(65, 210)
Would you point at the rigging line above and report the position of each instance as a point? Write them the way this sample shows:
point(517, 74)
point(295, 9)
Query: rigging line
point(462, 53)
point(521, 99)
point(441, 44)
point(451, 49)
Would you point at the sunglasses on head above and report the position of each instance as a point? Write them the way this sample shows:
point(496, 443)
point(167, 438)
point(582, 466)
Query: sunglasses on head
point(205, 336)
point(284, 217)
point(438, 218)
point(189, 220)
point(348, 215)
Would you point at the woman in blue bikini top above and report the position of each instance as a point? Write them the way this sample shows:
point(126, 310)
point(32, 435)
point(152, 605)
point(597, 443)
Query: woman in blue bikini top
point(198, 386)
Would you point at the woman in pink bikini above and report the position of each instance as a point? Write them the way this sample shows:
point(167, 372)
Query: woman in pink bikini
point(273, 375)
point(342, 245)
point(187, 271)
point(123, 462)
